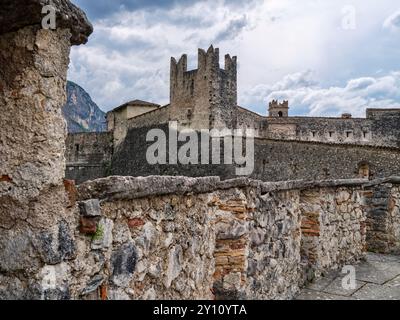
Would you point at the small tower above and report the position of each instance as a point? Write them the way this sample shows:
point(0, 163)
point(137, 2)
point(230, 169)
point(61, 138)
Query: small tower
point(207, 96)
point(278, 110)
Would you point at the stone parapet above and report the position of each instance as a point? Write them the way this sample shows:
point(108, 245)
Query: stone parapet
point(15, 15)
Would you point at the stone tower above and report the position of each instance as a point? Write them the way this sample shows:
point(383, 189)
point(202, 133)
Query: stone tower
point(278, 110)
point(206, 97)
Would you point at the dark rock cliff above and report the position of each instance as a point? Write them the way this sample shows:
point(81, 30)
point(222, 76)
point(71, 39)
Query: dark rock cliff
point(81, 113)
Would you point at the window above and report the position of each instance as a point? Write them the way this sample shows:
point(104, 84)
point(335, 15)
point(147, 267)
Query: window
point(280, 114)
point(349, 134)
point(77, 147)
point(314, 133)
point(192, 88)
point(189, 113)
point(363, 170)
point(331, 133)
point(365, 134)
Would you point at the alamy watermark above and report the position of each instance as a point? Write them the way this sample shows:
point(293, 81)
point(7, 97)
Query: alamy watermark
point(49, 20)
point(349, 280)
point(191, 147)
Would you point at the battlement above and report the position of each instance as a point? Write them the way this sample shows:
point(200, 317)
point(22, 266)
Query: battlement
point(277, 104)
point(376, 114)
point(207, 61)
point(278, 110)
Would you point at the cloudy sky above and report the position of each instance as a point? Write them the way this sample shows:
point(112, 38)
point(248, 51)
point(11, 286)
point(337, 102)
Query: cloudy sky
point(325, 56)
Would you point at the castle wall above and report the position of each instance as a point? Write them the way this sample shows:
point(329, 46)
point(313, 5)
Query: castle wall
point(185, 238)
point(375, 131)
point(118, 120)
point(381, 127)
point(332, 130)
point(130, 158)
point(251, 120)
point(88, 156)
point(385, 126)
point(224, 99)
point(134, 111)
point(117, 123)
point(153, 118)
point(279, 160)
point(275, 160)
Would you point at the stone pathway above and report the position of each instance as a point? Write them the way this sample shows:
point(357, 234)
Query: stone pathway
point(377, 278)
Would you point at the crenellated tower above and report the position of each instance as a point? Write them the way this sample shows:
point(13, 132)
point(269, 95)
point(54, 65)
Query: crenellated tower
point(278, 110)
point(207, 96)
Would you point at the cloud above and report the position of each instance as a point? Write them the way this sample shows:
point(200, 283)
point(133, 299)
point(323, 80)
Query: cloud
point(308, 97)
point(101, 9)
point(393, 21)
point(128, 55)
point(233, 29)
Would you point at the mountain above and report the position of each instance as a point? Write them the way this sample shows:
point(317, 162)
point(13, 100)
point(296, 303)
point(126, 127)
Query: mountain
point(81, 113)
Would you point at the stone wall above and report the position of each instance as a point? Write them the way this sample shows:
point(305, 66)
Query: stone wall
point(275, 160)
point(278, 160)
point(394, 220)
point(207, 96)
point(385, 125)
point(196, 238)
point(117, 119)
point(331, 130)
point(185, 238)
point(380, 128)
point(152, 118)
point(88, 156)
point(383, 218)
point(130, 159)
point(247, 119)
point(286, 148)
point(35, 216)
point(333, 228)
point(257, 254)
point(142, 238)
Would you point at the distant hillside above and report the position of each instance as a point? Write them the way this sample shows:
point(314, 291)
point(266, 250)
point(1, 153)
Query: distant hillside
point(81, 113)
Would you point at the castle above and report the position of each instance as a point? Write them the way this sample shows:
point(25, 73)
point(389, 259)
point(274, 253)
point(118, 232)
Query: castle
point(168, 238)
point(286, 147)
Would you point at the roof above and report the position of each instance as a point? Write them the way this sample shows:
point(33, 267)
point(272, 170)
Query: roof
point(247, 110)
point(136, 102)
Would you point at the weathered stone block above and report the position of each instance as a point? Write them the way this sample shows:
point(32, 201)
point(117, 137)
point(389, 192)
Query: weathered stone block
point(90, 208)
point(104, 238)
point(136, 223)
point(93, 284)
point(88, 225)
point(123, 264)
point(55, 245)
point(71, 191)
point(174, 268)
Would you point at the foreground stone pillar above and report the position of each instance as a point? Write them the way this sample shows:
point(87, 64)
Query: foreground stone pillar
point(383, 218)
point(35, 237)
point(332, 228)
